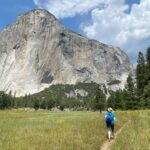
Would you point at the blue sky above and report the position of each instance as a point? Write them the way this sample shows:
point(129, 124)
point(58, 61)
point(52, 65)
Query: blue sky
point(10, 9)
point(121, 23)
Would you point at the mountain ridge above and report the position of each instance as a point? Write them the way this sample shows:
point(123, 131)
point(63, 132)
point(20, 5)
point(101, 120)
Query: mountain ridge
point(30, 47)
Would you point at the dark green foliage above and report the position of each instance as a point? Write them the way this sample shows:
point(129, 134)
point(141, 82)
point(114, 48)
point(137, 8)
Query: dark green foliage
point(43, 104)
point(143, 80)
point(147, 70)
point(60, 91)
point(36, 104)
point(100, 100)
point(130, 91)
point(54, 96)
point(50, 103)
point(147, 91)
point(130, 86)
point(140, 74)
point(146, 95)
point(136, 94)
point(5, 100)
point(116, 100)
point(124, 99)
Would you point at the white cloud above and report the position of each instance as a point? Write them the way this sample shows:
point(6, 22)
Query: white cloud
point(111, 21)
point(68, 8)
point(117, 26)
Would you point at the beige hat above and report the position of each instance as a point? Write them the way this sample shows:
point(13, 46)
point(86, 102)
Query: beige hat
point(110, 109)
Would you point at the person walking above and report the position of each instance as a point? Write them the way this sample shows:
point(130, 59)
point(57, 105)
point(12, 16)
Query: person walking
point(110, 118)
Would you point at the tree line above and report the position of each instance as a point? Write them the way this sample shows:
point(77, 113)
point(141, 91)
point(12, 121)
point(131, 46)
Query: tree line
point(54, 97)
point(7, 101)
point(136, 94)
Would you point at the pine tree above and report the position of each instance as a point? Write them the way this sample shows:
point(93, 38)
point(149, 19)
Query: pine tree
point(130, 87)
point(140, 74)
point(36, 104)
point(100, 100)
point(147, 71)
point(116, 100)
point(147, 95)
point(130, 93)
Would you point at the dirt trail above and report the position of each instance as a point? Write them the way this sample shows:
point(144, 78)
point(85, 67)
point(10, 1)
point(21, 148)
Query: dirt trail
point(107, 145)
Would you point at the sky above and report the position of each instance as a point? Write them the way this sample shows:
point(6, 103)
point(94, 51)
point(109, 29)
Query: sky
point(120, 23)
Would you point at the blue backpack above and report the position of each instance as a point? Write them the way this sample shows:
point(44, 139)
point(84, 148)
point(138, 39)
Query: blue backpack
point(109, 118)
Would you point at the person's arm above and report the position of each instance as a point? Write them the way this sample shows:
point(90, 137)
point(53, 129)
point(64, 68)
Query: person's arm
point(106, 114)
point(114, 116)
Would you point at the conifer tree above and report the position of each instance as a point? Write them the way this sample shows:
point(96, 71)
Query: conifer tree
point(147, 96)
point(140, 74)
point(100, 100)
point(130, 87)
point(130, 94)
point(147, 70)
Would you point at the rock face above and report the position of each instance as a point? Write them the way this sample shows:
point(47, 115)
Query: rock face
point(37, 51)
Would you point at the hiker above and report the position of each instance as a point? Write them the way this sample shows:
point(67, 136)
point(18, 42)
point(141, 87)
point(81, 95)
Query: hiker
point(110, 117)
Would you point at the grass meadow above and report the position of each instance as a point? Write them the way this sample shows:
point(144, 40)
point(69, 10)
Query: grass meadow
point(46, 130)
point(136, 134)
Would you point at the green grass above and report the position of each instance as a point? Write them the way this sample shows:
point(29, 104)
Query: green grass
point(136, 134)
point(45, 130)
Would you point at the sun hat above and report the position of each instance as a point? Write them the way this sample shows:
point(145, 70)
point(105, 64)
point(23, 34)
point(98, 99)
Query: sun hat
point(110, 109)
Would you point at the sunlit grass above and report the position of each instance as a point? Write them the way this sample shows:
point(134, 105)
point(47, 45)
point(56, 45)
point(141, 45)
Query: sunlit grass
point(136, 134)
point(44, 130)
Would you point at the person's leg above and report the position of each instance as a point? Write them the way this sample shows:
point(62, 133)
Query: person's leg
point(109, 134)
point(112, 129)
point(108, 130)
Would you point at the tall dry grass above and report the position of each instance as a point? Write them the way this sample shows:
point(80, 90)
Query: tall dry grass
point(45, 130)
point(136, 134)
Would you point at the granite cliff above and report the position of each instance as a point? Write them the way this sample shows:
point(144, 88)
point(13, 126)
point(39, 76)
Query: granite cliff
point(37, 51)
